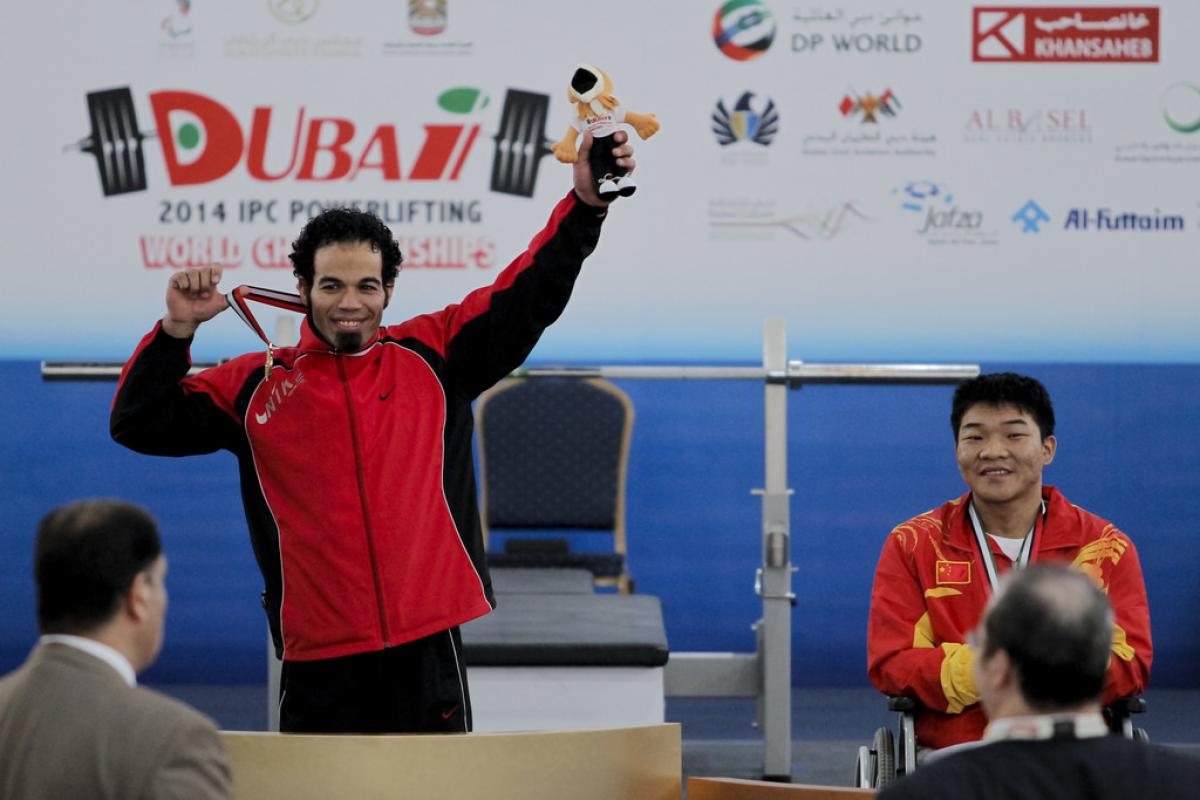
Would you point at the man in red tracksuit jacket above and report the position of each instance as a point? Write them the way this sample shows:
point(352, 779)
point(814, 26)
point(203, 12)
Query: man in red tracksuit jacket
point(354, 449)
point(937, 571)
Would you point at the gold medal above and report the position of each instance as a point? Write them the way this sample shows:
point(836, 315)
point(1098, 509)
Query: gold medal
point(270, 361)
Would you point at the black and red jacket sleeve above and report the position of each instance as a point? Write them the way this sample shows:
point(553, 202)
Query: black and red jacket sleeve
point(493, 330)
point(158, 410)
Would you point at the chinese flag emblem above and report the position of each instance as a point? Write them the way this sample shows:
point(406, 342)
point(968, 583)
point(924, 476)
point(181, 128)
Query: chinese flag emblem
point(953, 572)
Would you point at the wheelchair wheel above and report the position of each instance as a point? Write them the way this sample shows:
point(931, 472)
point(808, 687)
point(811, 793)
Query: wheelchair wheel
point(884, 749)
point(864, 768)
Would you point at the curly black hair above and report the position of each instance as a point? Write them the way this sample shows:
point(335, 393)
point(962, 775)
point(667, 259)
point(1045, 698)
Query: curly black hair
point(1004, 389)
point(344, 225)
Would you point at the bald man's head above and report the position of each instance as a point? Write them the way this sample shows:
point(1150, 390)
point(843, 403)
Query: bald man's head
point(1056, 627)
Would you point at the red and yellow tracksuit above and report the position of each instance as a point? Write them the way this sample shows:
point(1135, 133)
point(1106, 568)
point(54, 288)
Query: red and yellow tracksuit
point(931, 588)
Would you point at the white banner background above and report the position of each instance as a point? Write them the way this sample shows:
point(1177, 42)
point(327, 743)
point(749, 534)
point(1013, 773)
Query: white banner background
point(672, 278)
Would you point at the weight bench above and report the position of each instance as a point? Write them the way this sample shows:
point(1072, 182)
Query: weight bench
point(545, 661)
point(534, 580)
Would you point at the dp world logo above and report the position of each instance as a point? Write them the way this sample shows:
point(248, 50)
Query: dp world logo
point(201, 141)
point(743, 29)
point(745, 123)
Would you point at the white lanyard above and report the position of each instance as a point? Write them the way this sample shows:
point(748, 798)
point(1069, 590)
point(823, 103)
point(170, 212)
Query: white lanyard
point(989, 563)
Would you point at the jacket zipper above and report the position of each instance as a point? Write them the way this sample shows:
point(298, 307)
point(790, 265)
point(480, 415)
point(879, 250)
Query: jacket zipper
point(362, 499)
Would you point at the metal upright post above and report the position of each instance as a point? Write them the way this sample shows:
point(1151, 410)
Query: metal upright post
point(775, 576)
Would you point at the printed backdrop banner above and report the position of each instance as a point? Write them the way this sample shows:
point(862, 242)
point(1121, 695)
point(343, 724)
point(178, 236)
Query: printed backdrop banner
point(923, 180)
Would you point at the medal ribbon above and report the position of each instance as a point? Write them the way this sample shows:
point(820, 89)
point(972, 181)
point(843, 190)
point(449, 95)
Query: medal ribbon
point(989, 562)
point(286, 300)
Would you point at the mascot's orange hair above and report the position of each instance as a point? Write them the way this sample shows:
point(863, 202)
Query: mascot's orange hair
point(597, 100)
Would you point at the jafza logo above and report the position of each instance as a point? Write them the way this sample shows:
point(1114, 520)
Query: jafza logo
point(1065, 33)
point(745, 123)
point(868, 108)
point(943, 220)
point(743, 29)
point(202, 141)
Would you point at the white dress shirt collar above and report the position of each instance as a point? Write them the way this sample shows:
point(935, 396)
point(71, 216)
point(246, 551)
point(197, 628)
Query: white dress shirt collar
point(1085, 725)
point(101, 651)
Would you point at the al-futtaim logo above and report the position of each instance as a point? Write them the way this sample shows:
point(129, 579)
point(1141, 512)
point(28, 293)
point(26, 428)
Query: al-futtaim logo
point(743, 29)
point(1106, 219)
point(1065, 33)
point(1181, 107)
point(1031, 217)
point(749, 121)
point(202, 140)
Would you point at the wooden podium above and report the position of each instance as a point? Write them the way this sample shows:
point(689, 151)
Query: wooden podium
point(733, 789)
point(617, 764)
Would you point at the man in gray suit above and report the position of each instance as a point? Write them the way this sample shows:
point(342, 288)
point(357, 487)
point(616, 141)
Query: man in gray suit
point(73, 722)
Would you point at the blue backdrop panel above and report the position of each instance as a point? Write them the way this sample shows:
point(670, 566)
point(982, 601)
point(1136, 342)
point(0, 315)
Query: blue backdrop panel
point(861, 459)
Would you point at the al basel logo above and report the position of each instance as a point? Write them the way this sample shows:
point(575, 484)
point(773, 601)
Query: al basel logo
point(1181, 107)
point(427, 17)
point(1030, 217)
point(743, 29)
point(202, 141)
point(869, 107)
point(1065, 33)
point(1028, 125)
point(745, 123)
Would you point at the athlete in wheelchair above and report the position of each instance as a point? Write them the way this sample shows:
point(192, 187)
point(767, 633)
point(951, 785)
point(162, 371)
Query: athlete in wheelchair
point(938, 570)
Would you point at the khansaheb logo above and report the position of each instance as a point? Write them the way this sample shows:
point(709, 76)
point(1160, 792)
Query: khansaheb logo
point(1065, 33)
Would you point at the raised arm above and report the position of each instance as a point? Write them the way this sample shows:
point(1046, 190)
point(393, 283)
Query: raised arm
point(493, 330)
point(192, 299)
point(157, 410)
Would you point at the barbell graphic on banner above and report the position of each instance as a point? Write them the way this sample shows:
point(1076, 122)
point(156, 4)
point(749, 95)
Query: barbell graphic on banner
point(115, 141)
point(521, 142)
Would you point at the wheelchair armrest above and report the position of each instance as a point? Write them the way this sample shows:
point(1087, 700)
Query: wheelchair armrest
point(1130, 704)
point(895, 703)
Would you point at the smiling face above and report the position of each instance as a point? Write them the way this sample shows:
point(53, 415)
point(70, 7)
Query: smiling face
point(1001, 453)
point(347, 296)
